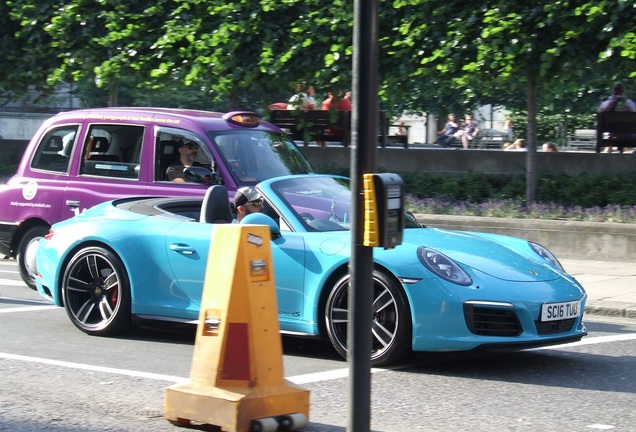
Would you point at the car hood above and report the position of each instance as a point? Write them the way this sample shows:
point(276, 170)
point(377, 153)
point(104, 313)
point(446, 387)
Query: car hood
point(482, 254)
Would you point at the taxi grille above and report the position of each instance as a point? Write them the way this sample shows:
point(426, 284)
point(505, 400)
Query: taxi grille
point(491, 322)
point(552, 327)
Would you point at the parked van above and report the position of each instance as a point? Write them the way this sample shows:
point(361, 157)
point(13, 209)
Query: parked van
point(81, 158)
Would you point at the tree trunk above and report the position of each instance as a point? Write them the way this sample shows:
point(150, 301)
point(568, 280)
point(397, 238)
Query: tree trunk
point(233, 100)
point(531, 139)
point(113, 100)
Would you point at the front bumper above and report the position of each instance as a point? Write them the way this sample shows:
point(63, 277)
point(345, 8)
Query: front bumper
point(496, 315)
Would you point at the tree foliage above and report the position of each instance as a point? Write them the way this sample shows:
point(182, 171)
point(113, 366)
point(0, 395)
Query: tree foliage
point(434, 56)
point(23, 62)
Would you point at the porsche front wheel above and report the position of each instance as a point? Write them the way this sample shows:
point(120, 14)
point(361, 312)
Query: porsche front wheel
point(391, 322)
point(97, 292)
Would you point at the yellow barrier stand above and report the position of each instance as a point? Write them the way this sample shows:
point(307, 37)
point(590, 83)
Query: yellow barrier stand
point(236, 380)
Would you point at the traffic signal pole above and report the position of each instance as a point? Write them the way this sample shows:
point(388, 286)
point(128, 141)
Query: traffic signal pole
point(363, 161)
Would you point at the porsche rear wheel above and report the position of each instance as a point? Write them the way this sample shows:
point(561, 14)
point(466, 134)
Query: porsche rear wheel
point(391, 323)
point(97, 292)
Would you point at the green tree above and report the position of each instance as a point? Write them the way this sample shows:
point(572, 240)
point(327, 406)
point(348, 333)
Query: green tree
point(232, 51)
point(23, 62)
point(533, 47)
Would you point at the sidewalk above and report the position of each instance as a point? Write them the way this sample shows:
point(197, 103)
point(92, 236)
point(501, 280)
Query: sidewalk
point(610, 286)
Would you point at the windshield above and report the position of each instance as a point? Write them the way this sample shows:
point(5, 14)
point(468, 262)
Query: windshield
point(320, 203)
point(256, 155)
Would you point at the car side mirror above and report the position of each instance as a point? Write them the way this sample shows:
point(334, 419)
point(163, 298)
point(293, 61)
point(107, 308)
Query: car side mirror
point(263, 219)
point(411, 221)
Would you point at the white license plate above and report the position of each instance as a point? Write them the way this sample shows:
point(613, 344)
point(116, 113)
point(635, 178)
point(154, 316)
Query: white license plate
point(559, 311)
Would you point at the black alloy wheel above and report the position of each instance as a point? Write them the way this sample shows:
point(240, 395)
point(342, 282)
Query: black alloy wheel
point(97, 292)
point(391, 323)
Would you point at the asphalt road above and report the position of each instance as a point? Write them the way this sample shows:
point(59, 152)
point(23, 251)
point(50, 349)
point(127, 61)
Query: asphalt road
point(55, 378)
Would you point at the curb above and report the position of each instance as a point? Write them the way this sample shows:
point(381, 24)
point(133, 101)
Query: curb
point(622, 310)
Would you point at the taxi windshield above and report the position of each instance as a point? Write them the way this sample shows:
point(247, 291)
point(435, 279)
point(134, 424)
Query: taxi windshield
point(256, 155)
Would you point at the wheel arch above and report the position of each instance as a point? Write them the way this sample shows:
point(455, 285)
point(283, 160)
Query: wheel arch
point(319, 313)
point(23, 227)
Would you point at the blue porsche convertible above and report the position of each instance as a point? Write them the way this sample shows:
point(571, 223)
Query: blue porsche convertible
point(439, 290)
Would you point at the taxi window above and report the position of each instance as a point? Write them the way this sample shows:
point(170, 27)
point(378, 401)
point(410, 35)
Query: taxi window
point(112, 151)
point(54, 151)
point(171, 144)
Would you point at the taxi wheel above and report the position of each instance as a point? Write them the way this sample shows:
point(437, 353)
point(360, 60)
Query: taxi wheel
point(97, 292)
point(391, 322)
point(26, 253)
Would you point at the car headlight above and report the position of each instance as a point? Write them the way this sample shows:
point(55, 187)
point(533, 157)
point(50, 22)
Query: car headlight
point(443, 266)
point(546, 255)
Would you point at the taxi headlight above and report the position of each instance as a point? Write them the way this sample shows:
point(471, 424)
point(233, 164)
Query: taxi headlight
point(443, 266)
point(546, 255)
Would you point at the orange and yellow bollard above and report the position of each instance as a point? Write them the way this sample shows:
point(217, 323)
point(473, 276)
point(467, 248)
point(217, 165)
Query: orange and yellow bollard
point(236, 380)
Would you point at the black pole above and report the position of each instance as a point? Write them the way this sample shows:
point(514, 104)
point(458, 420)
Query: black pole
point(363, 158)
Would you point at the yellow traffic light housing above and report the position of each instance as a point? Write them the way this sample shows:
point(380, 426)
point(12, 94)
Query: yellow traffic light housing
point(383, 210)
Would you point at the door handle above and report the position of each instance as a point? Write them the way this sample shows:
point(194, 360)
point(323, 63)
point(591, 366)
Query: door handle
point(72, 203)
point(182, 248)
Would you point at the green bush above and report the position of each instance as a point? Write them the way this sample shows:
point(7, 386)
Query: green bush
point(582, 198)
point(583, 191)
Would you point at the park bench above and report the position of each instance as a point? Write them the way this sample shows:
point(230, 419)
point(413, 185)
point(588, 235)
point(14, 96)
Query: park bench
point(330, 126)
point(615, 129)
point(582, 139)
point(315, 125)
point(488, 139)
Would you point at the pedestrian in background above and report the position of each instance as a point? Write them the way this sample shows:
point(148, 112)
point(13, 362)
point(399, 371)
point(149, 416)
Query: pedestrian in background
point(450, 132)
point(509, 130)
point(469, 131)
point(617, 100)
point(518, 145)
point(303, 99)
point(550, 147)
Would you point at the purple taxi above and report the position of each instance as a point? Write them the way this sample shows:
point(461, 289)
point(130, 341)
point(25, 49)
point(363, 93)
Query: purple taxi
point(78, 159)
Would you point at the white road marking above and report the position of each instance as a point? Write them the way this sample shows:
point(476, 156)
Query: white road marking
point(93, 368)
point(12, 282)
point(327, 375)
point(298, 379)
point(28, 308)
point(600, 426)
point(591, 341)
point(29, 305)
